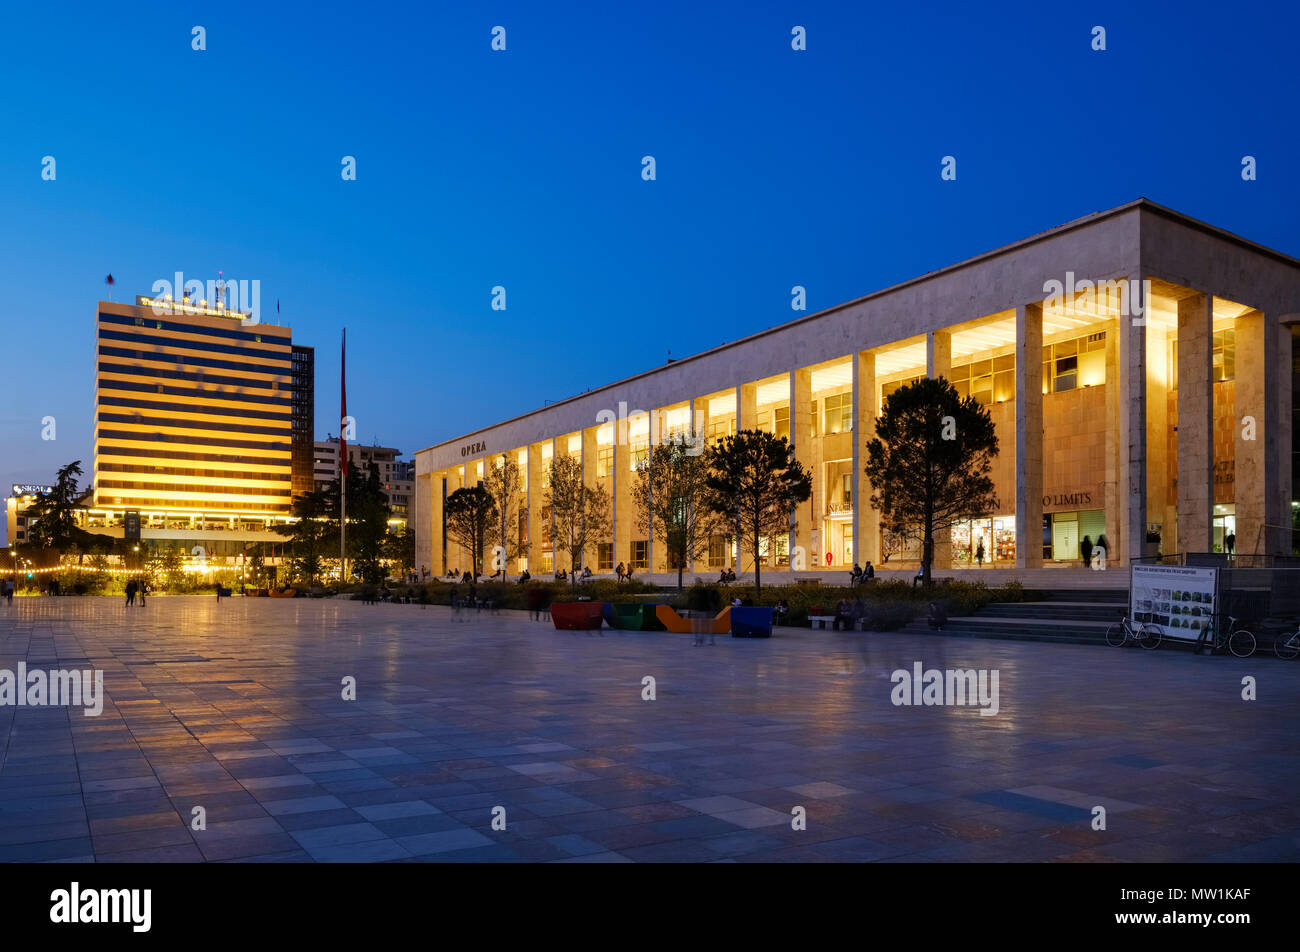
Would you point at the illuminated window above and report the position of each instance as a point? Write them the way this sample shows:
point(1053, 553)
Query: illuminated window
point(640, 554)
point(717, 551)
point(888, 388)
point(719, 430)
point(837, 413)
point(1070, 364)
point(1223, 362)
point(604, 461)
point(605, 556)
point(781, 426)
point(640, 454)
point(988, 381)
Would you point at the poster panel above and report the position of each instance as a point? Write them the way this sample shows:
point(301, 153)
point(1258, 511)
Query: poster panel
point(1181, 600)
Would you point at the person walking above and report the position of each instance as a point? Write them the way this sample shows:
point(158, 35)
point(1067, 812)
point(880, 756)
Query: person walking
point(1230, 544)
point(1085, 549)
point(1099, 554)
point(9, 590)
point(979, 553)
point(144, 590)
point(130, 592)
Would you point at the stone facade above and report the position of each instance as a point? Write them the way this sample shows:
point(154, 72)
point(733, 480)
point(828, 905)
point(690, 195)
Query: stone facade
point(1094, 345)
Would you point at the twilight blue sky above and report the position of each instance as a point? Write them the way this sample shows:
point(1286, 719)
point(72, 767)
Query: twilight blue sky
point(522, 168)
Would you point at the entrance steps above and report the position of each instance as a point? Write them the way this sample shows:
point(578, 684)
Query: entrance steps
point(1066, 616)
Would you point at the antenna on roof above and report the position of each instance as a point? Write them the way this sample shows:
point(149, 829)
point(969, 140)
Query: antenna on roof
point(670, 355)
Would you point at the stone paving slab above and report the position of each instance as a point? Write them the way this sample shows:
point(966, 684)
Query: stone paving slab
point(236, 707)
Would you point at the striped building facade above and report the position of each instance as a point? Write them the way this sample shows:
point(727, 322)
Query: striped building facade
point(194, 413)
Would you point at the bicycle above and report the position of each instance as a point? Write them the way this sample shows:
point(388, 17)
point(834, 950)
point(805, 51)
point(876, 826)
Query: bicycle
point(1287, 645)
point(1124, 631)
point(1237, 640)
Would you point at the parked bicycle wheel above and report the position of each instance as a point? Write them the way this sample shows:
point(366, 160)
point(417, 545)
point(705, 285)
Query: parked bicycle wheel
point(1288, 645)
point(1149, 636)
point(1116, 635)
point(1242, 643)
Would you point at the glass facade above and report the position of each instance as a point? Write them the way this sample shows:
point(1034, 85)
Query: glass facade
point(986, 542)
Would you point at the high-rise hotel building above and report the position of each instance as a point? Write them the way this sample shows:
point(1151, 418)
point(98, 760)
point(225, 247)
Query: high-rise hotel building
point(198, 412)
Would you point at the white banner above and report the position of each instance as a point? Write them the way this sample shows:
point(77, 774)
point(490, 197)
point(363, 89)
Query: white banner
point(1181, 601)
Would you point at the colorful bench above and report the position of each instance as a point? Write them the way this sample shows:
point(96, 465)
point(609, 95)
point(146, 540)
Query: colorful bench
point(751, 621)
point(577, 616)
point(674, 622)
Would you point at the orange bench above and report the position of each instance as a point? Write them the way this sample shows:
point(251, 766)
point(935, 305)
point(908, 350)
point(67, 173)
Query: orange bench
point(674, 622)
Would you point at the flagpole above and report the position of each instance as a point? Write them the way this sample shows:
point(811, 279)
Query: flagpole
point(343, 464)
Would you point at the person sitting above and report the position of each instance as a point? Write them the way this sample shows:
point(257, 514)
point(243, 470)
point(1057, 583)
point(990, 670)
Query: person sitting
point(843, 615)
point(586, 572)
point(747, 601)
point(938, 617)
point(467, 579)
point(560, 575)
point(735, 602)
point(780, 612)
point(869, 573)
point(524, 577)
point(730, 576)
point(855, 577)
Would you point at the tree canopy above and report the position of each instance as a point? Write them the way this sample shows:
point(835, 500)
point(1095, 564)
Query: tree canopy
point(581, 511)
point(754, 482)
point(502, 482)
point(929, 463)
point(470, 513)
point(52, 520)
point(671, 496)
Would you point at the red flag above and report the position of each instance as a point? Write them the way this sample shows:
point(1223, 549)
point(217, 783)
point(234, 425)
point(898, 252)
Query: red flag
point(343, 408)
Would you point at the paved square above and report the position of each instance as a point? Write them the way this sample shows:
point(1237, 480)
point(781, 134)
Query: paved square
point(236, 707)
